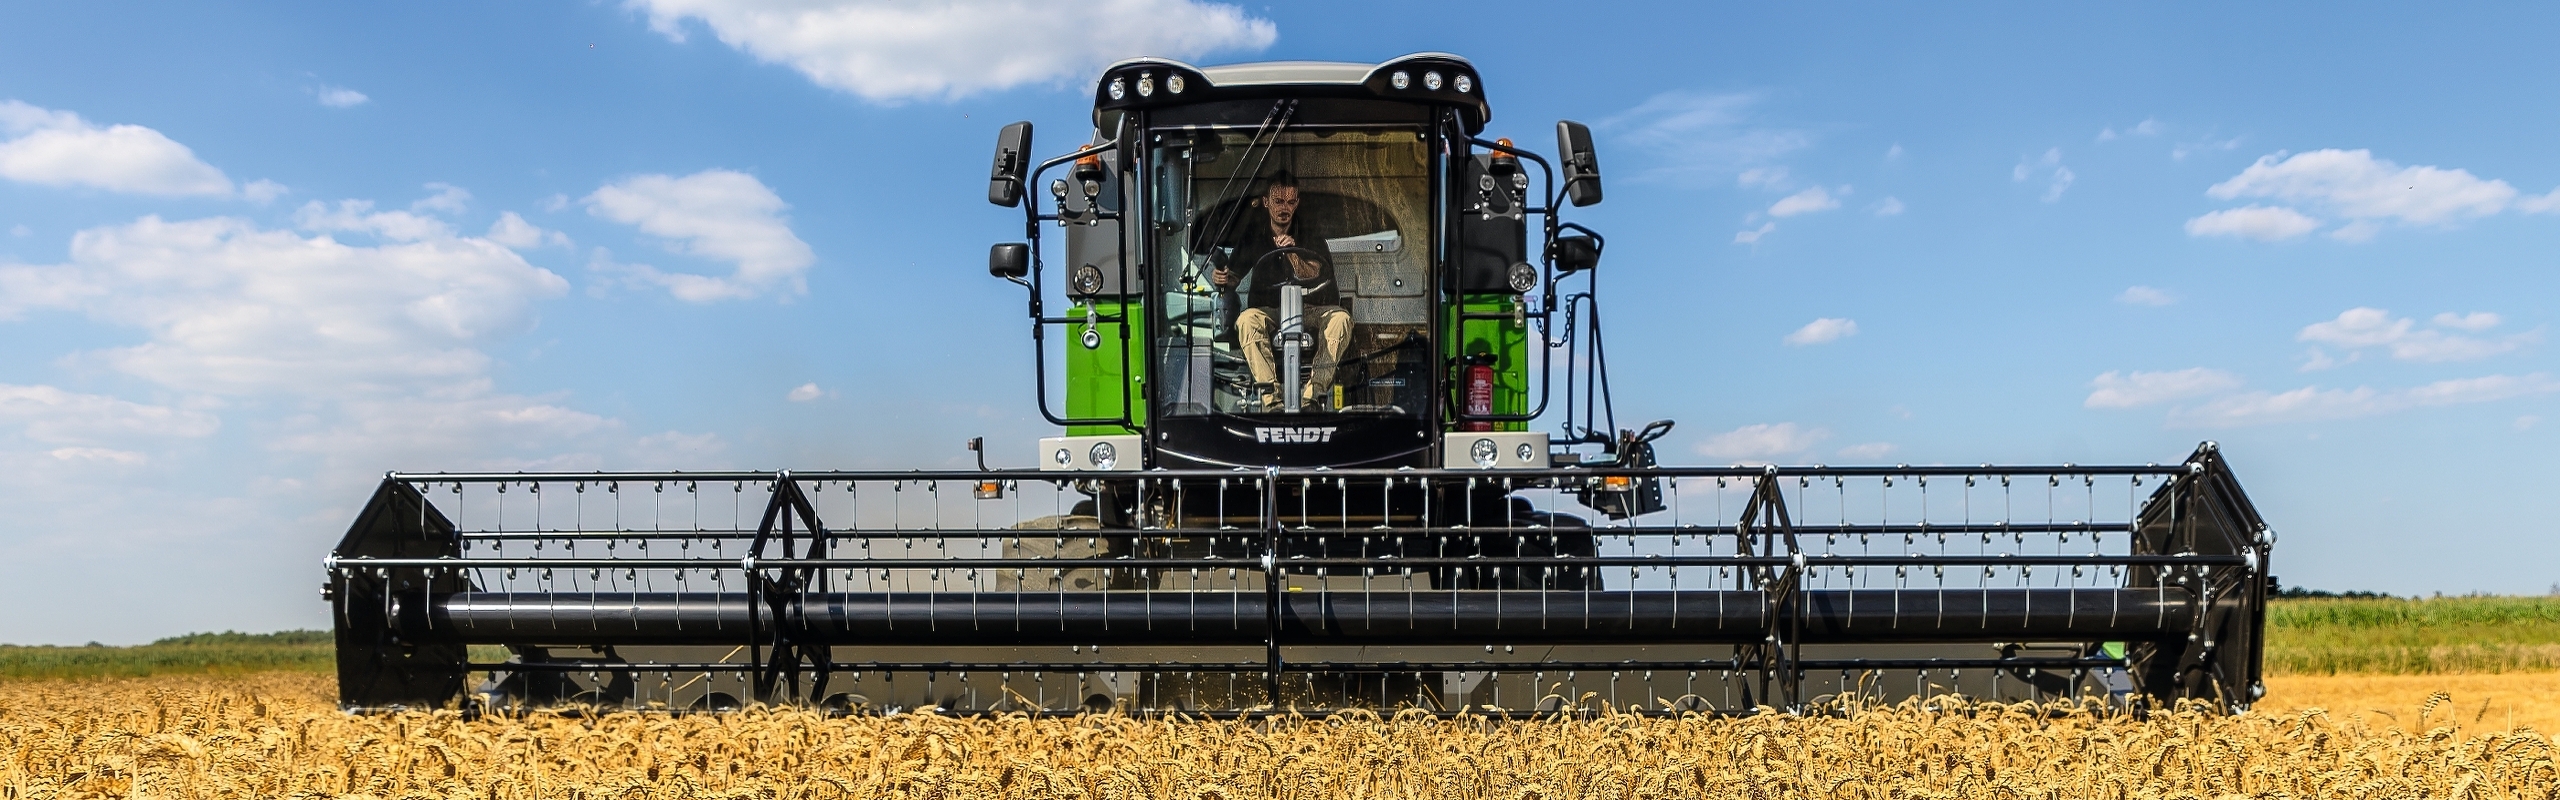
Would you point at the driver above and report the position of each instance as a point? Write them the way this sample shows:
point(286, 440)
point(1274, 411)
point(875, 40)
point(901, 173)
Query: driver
point(1274, 227)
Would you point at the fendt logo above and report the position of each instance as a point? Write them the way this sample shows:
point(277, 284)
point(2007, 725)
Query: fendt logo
point(1293, 435)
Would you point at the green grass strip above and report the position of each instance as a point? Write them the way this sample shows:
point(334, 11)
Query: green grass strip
point(2413, 637)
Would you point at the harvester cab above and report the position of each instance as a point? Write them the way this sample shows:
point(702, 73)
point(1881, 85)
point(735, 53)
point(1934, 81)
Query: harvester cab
point(1305, 264)
point(1296, 332)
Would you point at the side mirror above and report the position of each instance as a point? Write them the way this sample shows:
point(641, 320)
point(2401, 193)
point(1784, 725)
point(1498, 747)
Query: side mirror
point(1581, 165)
point(1013, 158)
point(1576, 252)
point(1009, 260)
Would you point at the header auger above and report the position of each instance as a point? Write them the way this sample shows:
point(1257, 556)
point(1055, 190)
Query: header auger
point(1305, 336)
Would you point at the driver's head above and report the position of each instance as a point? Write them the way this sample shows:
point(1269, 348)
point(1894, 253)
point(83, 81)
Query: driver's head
point(1280, 197)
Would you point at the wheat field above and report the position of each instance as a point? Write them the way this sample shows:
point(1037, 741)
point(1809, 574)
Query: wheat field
point(276, 735)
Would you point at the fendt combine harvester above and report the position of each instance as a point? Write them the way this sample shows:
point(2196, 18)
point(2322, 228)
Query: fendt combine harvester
point(1305, 332)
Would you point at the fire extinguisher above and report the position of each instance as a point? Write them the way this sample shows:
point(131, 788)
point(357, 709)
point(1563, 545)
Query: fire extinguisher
point(1479, 382)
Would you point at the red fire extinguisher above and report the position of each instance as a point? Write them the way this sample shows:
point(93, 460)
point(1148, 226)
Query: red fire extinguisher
point(1479, 384)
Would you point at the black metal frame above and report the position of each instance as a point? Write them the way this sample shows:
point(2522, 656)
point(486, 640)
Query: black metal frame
point(405, 603)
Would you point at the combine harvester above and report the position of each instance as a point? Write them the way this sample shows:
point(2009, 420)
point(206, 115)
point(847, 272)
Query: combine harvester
point(1304, 336)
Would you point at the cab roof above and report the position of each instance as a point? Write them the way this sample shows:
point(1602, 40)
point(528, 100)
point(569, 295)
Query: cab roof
point(1435, 78)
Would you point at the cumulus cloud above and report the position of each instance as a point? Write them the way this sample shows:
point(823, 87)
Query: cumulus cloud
point(2145, 296)
point(2358, 328)
point(805, 392)
point(2137, 389)
point(1823, 331)
point(1761, 443)
point(1753, 236)
point(2148, 127)
point(51, 415)
point(2474, 321)
point(1702, 137)
point(884, 50)
point(2057, 178)
point(716, 214)
point(2365, 192)
point(511, 230)
point(231, 308)
point(339, 97)
point(1889, 207)
point(1804, 202)
point(2263, 223)
point(1762, 178)
point(2311, 403)
point(58, 148)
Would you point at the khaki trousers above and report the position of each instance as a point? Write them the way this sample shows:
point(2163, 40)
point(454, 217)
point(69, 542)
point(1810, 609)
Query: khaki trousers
point(1332, 329)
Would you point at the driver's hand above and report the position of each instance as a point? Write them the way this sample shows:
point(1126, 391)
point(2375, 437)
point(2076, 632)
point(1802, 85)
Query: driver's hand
point(1284, 240)
point(1305, 268)
point(1221, 276)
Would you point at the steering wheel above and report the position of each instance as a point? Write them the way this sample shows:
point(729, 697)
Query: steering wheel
point(1320, 257)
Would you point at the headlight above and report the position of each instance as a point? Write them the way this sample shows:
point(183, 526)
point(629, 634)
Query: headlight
point(1525, 452)
point(1401, 80)
point(1483, 452)
point(1465, 84)
point(1103, 455)
point(1523, 277)
point(1062, 457)
point(1086, 280)
point(1173, 83)
point(1431, 80)
point(1119, 88)
point(1146, 86)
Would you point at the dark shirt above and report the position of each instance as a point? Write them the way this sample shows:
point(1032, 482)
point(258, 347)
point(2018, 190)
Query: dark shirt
point(1254, 241)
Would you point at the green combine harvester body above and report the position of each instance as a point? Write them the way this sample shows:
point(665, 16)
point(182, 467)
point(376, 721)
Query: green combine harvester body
point(1334, 431)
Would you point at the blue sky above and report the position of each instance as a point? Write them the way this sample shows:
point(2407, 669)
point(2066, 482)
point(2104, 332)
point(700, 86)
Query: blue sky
point(254, 255)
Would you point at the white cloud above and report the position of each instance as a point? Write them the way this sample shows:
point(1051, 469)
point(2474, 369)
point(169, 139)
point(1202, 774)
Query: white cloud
point(234, 309)
point(2474, 321)
point(2362, 327)
point(884, 50)
point(1804, 202)
point(1823, 331)
point(99, 455)
point(511, 230)
point(2148, 127)
point(2263, 223)
point(2145, 296)
point(1867, 452)
point(1894, 152)
point(2311, 403)
point(58, 148)
point(1889, 207)
point(716, 214)
point(1699, 136)
point(444, 197)
point(358, 216)
point(263, 191)
point(1753, 236)
point(1762, 178)
point(2368, 193)
point(2058, 178)
point(1761, 443)
point(340, 97)
point(55, 416)
point(2134, 390)
point(2184, 149)
point(806, 392)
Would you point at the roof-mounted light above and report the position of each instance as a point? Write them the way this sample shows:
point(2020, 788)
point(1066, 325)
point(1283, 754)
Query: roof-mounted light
point(1173, 83)
point(1119, 88)
point(1431, 80)
point(1146, 84)
point(1465, 84)
point(1401, 80)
